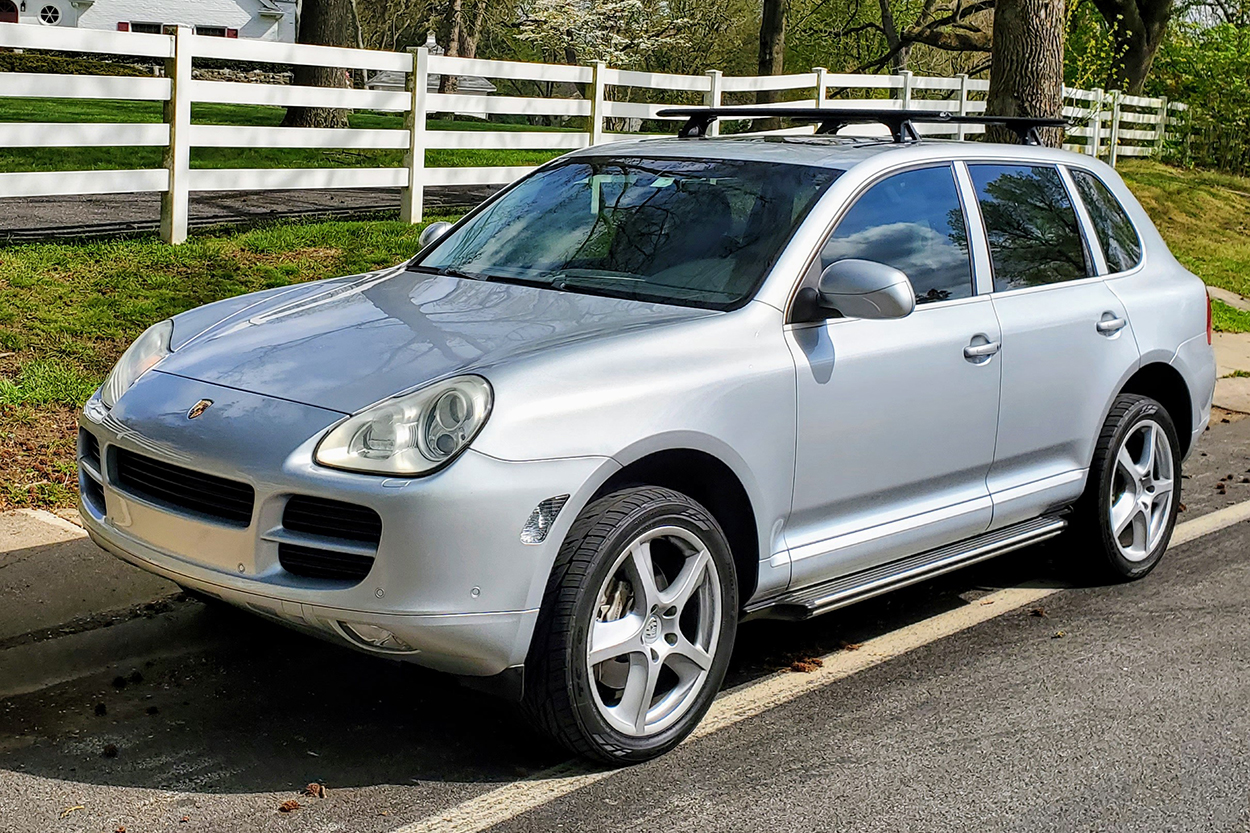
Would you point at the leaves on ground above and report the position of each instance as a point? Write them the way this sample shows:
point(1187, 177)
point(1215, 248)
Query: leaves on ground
point(315, 790)
point(806, 665)
point(288, 806)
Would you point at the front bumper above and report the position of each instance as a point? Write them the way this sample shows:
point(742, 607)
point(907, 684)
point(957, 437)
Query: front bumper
point(451, 578)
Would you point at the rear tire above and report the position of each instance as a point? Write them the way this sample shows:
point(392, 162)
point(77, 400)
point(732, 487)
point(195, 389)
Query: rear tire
point(1129, 507)
point(636, 628)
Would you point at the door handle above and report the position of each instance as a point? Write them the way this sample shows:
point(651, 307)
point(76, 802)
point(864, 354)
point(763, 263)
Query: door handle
point(1110, 326)
point(981, 351)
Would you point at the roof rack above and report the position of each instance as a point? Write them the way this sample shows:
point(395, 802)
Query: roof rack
point(830, 120)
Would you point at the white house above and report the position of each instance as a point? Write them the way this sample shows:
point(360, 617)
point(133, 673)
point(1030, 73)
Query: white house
point(272, 20)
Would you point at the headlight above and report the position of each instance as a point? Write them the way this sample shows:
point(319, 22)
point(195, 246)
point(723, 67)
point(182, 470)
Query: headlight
point(411, 434)
point(139, 358)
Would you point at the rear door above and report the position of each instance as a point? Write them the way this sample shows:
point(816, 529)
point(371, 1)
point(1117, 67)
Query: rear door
point(1066, 340)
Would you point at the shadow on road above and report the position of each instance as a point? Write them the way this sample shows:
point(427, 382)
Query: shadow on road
point(275, 709)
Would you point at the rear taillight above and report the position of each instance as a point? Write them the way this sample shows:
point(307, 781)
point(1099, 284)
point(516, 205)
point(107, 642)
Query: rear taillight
point(1210, 328)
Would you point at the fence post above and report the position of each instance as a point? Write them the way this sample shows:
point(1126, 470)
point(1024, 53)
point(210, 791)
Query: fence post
point(711, 98)
point(177, 157)
point(822, 86)
point(1115, 127)
point(1163, 125)
point(412, 200)
point(597, 100)
point(961, 132)
point(1095, 123)
point(905, 92)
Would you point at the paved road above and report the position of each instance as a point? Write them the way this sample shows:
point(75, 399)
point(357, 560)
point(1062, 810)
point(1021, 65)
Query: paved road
point(106, 215)
point(1138, 718)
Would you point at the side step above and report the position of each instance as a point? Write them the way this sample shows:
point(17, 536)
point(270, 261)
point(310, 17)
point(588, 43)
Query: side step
point(814, 600)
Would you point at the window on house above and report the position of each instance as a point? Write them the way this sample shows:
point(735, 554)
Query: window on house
point(50, 15)
point(211, 31)
point(146, 28)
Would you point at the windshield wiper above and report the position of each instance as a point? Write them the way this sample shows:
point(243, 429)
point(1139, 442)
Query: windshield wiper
point(564, 281)
point(453, 272)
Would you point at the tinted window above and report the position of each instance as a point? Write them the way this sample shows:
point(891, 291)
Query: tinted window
point(681, 231)
point(1119, 240)
point(1033, 233)
point(912, 221)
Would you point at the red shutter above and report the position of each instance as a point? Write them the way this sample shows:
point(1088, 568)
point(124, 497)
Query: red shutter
point(232, 33)
point(123, 26)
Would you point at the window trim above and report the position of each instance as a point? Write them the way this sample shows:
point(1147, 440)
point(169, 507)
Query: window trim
point(1072, 197)
point(1086, 223)
point(1141, 242)
point(805, 274)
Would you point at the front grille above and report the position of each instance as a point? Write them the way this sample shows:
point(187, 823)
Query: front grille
point(181, 488)
point(317, 563)
point(332, 519)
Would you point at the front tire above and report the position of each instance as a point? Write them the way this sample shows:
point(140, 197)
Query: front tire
point(636, 627)
point(1129, 507)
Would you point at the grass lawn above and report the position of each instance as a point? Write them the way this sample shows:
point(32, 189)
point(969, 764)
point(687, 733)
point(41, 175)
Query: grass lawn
point(67, 310)
point(124, 158)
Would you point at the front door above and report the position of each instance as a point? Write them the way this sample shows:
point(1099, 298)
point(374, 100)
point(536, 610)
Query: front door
point(896, 419)
point(8, 12)
point(1067, 341)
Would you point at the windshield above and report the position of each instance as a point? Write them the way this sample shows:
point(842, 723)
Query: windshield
point(679, 231)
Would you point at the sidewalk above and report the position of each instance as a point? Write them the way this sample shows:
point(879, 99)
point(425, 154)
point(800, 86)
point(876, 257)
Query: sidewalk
point(54, 580)
point(1232, 358)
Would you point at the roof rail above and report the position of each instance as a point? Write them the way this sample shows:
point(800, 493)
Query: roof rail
point(830, 120)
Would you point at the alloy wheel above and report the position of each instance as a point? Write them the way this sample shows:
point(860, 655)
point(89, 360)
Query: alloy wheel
point(1141, 490)
point(656, 624)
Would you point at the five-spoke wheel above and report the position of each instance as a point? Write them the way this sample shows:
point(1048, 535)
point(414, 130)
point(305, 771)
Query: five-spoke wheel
point(1129, 507)
point(636, 628)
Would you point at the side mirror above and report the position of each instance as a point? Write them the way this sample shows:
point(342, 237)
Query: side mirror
point(432, 232)
point(865, 289)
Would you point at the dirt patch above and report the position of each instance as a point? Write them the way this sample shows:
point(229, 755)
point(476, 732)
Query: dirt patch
point(37, 465)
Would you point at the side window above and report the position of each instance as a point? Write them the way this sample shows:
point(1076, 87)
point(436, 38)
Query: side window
point(912, 221)
point(1031, 224)
point(1119, 239)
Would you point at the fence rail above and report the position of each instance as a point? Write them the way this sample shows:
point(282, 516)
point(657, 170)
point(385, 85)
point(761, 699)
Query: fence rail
point(614, 105)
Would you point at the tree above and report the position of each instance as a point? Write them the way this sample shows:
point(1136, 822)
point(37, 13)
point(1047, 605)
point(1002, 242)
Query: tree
point(326, 23)
point(772, 44)
point(1026, 77)
point(1138, 27)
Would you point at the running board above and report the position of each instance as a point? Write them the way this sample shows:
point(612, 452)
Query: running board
point(840, 592)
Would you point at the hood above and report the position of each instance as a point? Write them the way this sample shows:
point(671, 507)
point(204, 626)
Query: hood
point(351, 343)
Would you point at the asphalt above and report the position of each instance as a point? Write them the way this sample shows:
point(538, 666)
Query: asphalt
point(1136, 718)
point(112, 215)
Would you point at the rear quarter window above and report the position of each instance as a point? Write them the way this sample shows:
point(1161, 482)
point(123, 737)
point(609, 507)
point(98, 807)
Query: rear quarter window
point(1121, 244)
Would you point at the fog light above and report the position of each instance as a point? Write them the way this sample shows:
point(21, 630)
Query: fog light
point(541, 519)
point(371, 636)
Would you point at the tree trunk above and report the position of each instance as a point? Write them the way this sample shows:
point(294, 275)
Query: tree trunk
point(1137, 45)
point(326, 23)
point(1026, 78)
point(455, 19)
point(772, 45)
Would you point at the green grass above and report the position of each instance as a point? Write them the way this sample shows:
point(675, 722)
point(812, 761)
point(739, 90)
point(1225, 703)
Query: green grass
point(1203, 216)
point(124, 158)
point(1228, 319)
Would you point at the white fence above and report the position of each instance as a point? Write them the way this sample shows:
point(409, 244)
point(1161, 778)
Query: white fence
point(1111, 124)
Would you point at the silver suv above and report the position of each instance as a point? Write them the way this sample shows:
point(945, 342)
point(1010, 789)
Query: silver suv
point(657, 388)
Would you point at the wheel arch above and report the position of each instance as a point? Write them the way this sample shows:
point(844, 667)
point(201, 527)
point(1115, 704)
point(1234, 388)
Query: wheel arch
point(1164, 384)
point(712, 482)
